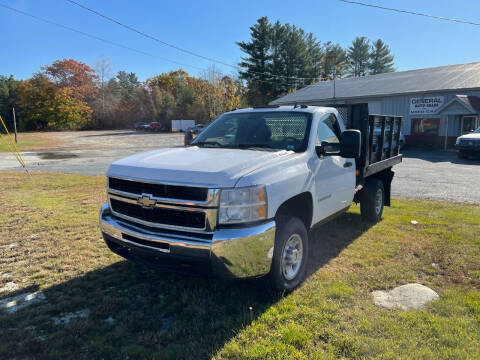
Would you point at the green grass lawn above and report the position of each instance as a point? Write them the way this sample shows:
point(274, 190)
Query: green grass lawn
point(134, 312)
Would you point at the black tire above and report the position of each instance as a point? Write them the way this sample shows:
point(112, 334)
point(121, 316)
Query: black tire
point(461, 155)
point(370, 209)
point(287, 228)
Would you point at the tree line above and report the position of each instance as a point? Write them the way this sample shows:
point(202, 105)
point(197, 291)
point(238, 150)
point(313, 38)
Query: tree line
point(279, 59)
point(68, 94)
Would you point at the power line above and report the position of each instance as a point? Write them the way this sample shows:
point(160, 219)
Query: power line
point(186, 51)
point(147, 35)
point(21, 12)
point(94, 36)
point(411, 12)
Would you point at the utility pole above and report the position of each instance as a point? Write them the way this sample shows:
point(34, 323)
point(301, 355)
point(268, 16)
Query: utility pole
point(14, 124)
point(103, 93)
point(446, 133)
point(334, 87)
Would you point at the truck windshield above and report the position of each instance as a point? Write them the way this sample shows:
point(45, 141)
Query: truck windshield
point(277, 130)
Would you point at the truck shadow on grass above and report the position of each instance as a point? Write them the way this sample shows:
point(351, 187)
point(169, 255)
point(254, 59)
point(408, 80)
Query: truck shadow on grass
point(128, 311)
point(328, 240)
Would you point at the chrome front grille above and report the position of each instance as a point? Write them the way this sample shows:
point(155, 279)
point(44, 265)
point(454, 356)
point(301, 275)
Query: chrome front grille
point(168, 206)
point(159, 190)
point(470, 142)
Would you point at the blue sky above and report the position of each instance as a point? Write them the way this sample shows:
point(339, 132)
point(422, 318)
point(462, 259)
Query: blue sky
point(212, 27)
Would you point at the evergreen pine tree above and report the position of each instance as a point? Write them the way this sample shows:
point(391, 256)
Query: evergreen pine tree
point(381, 60)
point(277, 68)
point(359, 56)
point(280, 58)
point(294, 56)
point(334, 61)
point(257, 63)
point(314, 53)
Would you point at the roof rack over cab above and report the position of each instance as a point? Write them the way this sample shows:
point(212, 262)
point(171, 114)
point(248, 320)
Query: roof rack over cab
point(300, 106)
point(266, 106)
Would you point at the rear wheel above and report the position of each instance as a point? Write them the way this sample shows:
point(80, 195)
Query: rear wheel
point(290, 254)
point(372, 201)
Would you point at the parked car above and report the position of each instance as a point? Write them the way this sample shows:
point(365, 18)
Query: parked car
point(159, 127)
point(155, 126)
point(240, 200)
point(197, 129)
point(141, 126)
point(468, 144)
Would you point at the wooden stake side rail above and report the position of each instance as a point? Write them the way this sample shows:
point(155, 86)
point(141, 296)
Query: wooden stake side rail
point(382, 140)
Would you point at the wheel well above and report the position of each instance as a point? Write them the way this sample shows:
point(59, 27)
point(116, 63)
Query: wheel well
point(300, 206)
point(385, 177)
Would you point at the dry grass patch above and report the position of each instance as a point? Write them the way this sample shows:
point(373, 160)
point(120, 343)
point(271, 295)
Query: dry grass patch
point(118, 310)
point(32, 141)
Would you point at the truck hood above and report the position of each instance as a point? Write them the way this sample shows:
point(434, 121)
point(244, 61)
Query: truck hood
point(212, 167)
point(471, 136)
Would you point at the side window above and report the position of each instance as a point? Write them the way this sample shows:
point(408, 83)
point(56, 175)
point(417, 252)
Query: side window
point(223, 132)
point(328, 130)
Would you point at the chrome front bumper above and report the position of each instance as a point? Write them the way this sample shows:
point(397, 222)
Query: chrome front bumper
point(468, 148)
point(230, 252)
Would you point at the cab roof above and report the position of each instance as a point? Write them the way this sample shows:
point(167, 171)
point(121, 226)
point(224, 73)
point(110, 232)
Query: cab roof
point(299, 108)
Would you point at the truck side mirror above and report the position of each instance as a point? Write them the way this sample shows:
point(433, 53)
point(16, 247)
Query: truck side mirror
point(188, 137)
point(327, 149)
point(350, 144)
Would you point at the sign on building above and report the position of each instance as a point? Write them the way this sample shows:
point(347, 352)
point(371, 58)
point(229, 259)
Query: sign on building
point(425, 105)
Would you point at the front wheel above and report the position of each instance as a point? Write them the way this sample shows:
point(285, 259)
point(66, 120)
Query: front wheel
point(372, 200)
point(462, 155)
point(290, 255)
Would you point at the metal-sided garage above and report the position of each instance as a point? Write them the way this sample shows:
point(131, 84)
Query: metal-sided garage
point(437, 104)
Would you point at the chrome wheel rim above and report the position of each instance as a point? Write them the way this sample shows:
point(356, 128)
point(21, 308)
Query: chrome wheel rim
point(378, 201)
point(292, 256)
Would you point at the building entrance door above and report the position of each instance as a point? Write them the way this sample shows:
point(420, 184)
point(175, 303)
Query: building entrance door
point(468, 124)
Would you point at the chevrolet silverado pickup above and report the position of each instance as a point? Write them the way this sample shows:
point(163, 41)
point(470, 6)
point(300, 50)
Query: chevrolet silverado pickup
point(240, 199)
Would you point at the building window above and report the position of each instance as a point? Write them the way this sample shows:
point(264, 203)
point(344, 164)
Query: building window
point(468, 124)
point(425, 126)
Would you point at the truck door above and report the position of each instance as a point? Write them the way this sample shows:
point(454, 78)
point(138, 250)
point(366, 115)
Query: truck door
point(334, 175)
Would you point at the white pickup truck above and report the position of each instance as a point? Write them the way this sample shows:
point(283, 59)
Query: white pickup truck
point(240, 200)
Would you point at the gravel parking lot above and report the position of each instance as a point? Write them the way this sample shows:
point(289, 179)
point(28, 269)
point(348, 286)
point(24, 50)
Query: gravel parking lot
point(432, 174)
point(437, 175)
point(91, 152)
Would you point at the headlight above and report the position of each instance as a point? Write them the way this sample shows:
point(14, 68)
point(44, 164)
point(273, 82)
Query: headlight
point(242, 205)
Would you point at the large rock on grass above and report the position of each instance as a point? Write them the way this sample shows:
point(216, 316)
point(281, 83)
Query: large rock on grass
point(405, 297)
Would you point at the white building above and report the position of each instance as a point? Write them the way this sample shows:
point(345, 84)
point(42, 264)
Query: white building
point(437, 104)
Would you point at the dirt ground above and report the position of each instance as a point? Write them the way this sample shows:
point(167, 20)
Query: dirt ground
point(88, 152)
point(119, 139)
point(427, 174)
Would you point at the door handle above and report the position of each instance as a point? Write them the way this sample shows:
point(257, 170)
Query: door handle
point(347, 164)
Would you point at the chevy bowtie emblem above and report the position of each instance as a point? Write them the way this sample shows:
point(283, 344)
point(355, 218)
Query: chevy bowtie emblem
point(146, 201)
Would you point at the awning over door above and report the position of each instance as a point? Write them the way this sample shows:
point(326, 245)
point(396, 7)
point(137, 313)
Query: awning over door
point(461, 105)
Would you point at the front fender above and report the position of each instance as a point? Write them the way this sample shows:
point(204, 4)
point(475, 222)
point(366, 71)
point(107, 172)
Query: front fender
point(283, 181)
